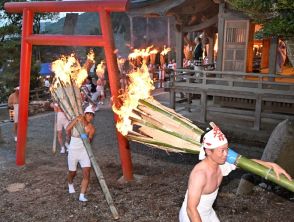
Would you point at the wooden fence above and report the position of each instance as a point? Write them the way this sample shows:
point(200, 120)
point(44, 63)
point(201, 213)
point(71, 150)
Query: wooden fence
point(247, 96)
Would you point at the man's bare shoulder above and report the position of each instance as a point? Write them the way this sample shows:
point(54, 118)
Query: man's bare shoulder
point(198, 172)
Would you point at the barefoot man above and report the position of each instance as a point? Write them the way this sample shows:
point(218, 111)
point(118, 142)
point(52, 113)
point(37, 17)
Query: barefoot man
point(77, 152)
point(207, 176)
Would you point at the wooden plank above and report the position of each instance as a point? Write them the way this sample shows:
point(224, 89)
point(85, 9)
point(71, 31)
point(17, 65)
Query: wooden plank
point(231, 111)
point(203, 104)
point(221, 31)
point(276, 116)
point(273, 54)
point(172, 99)
point(179, 48)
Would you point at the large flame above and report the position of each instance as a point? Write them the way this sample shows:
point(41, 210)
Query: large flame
point(140, 86)
point(68, 67)
point(165, 51)
point(100, 69)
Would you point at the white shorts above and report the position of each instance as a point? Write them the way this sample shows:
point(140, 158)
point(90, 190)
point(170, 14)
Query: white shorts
point(62, 121)
point(15, 109)
point(77, 154)
point(97, 94)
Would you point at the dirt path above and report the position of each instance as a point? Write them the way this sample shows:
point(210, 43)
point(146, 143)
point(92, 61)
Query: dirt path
point(43, 196)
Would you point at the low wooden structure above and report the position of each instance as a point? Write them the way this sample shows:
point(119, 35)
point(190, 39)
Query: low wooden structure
point(254, 100)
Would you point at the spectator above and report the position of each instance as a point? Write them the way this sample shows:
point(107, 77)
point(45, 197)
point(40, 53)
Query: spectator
point(13, 101)
point(281, 56)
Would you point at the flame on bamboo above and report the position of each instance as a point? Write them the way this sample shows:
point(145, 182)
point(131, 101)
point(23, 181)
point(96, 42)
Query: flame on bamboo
point(144, 120)
point(69, 76)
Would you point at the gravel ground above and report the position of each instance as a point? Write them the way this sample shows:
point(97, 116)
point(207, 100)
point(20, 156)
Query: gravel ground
point(38, 190)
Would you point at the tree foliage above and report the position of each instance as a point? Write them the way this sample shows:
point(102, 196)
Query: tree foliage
point(276, 16)
point(10, 47)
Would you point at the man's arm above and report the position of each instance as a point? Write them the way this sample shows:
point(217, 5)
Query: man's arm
point(73, 123)
point(277, 169)
point(196, 185)
point(10, 101)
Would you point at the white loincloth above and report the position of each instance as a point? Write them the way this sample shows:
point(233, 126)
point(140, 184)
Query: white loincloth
point(15, 109)
point(77, 154)
point(204, 207)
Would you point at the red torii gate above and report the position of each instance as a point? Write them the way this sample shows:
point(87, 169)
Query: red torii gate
point(103, 7)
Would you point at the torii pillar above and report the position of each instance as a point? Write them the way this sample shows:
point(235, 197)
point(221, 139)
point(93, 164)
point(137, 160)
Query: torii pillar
point(103, 7)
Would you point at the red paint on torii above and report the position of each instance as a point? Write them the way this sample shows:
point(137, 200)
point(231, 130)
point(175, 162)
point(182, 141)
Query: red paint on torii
point(103, 7)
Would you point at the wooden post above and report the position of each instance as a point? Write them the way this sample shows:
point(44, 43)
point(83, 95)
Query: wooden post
point(210, 50)
point(24, 92)
point(172, 97)
point(147, 32)
point(273, 56)
point(203, 104)
point(249, 63)
point(124, 150)
point(257, 114)
point(179, 48)
point(131, 31)
point(221, 32)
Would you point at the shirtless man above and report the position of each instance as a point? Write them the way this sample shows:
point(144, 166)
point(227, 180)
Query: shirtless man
point(77, 152)
point(61, 122)
point(13, 104)
point(207, 176)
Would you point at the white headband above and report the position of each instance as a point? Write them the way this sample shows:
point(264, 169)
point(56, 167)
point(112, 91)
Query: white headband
point(212, 140)
point(89, 109)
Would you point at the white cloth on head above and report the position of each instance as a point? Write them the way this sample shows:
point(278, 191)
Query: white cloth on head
point(211, 140)
point(90, 109)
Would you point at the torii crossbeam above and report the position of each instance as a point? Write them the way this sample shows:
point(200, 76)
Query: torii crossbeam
point(28, 39)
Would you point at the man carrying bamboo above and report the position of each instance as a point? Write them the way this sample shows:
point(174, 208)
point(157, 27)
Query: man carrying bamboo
point(77, 152)
point(207, 175)
point(13, 101)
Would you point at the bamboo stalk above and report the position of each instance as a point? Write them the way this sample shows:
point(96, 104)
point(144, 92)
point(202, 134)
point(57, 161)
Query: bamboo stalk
point(175, 134)
point(160, 145)
point(89, 98)
point(260, 170)
point(55, 134)
point(74, 94)
point(97, 169)
point(167, 123)
point(99, 174)
point(173, 117)
point(70, 111)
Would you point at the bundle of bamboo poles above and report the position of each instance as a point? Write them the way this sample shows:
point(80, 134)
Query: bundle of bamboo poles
point(144, 120)
point(65, 89)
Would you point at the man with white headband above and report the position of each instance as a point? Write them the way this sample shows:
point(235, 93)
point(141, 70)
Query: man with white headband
point(77, 152)
point(206, 177)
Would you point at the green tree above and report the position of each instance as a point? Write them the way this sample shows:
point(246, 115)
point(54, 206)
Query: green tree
point(10, 35)
point(276, 16)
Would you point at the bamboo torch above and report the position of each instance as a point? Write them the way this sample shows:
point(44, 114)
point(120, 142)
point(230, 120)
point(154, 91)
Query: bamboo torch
point(65, 90)
point(144, 120)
